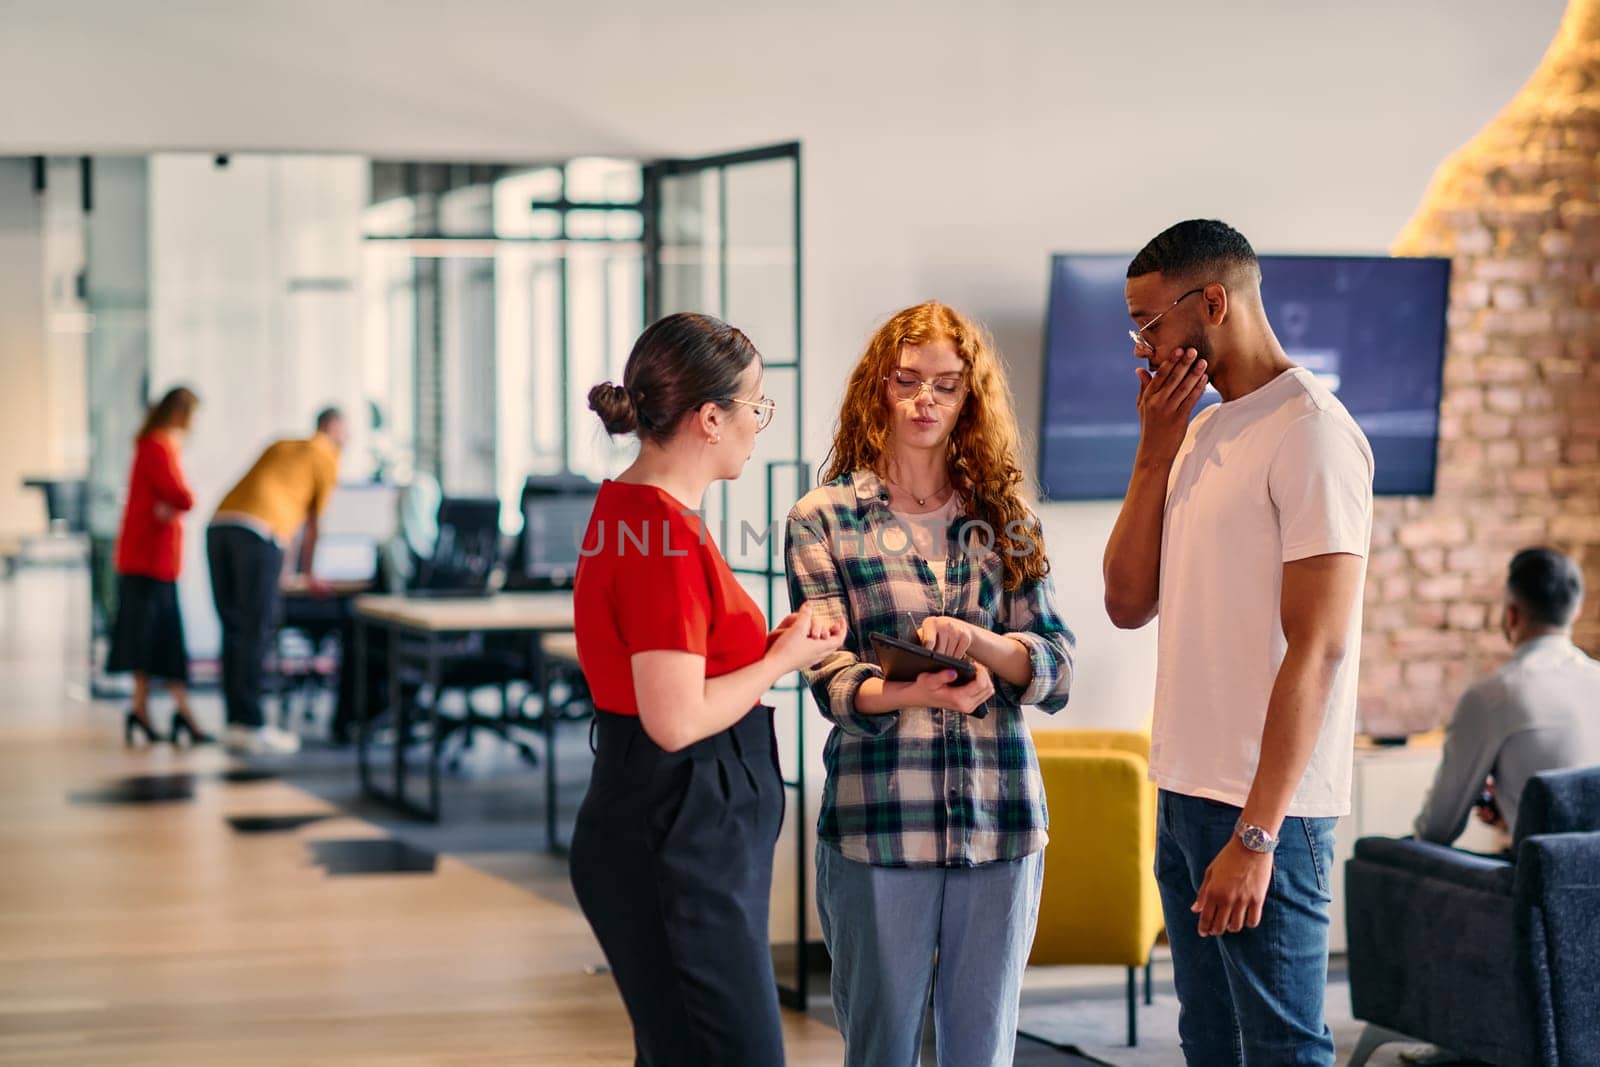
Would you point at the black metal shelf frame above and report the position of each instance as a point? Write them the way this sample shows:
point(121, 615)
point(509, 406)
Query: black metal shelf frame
point(796, 994)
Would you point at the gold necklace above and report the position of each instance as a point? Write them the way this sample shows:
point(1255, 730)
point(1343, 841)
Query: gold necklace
point(922, 501)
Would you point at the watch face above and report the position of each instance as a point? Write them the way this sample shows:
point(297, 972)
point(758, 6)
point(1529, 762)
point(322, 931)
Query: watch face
point(1255, 839)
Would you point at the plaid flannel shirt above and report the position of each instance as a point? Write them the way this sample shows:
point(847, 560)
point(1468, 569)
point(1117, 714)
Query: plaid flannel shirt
point(921, 787)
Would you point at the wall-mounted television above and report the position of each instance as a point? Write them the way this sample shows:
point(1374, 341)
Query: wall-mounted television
point(1371, 327)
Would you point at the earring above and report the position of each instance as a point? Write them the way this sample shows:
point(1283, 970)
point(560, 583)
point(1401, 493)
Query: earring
point(716, 438)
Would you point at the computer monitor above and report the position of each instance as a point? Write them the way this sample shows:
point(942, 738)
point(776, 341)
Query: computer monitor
point(1371, 328)
point(345, 558)
point(359, 519)
point(467, 551)
point(555, 514)
point(370, 509)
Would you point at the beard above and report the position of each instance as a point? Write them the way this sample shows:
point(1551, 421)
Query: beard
point(1202, 346)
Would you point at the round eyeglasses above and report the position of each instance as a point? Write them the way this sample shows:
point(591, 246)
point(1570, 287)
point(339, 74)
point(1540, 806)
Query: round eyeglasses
point(1139, 342)
point(946, 390)
point(765, 409)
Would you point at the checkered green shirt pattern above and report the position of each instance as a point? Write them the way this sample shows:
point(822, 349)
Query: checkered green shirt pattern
point(921, 787)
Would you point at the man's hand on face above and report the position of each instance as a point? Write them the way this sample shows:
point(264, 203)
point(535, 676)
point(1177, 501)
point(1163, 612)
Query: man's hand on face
point(1167, 397)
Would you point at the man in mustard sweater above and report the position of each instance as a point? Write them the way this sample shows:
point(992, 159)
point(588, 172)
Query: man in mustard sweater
point(283, 493)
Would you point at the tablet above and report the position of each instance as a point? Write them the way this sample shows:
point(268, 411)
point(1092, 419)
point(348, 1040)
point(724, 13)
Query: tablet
point(903, 660)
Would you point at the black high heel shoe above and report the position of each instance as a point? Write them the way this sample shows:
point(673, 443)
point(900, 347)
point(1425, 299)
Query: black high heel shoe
point(132, 726)
point(182, 724)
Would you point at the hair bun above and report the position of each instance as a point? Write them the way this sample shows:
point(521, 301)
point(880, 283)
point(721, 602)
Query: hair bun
point(614, 405)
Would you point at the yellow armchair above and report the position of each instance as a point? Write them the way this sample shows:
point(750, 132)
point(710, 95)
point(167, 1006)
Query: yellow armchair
point(1100, 904)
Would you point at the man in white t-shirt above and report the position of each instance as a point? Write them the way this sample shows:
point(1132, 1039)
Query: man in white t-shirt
point(1247, 531)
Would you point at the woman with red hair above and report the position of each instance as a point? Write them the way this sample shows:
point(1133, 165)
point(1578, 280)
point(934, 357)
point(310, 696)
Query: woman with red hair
point(932, 828)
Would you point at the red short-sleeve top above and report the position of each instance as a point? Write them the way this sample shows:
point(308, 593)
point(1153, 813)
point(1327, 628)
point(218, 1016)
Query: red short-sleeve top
point(651, 580)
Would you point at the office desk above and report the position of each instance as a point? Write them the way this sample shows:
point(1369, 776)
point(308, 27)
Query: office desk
point(433, 622)
point(296, 587)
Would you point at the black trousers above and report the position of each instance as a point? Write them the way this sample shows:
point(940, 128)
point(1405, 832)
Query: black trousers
point(672, 863)
point(245, 568)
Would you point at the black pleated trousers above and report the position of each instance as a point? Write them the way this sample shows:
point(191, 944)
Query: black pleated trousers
point(672, 864)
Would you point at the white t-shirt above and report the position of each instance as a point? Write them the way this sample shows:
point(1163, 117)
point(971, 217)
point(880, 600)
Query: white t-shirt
point(1279, 475)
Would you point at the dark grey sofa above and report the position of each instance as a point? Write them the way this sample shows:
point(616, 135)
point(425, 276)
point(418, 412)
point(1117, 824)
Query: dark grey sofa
point(1498, 960)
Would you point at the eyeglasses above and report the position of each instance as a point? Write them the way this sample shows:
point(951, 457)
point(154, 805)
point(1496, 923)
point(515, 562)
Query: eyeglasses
point(1139, 343)
point(765, 409)
point(947, 390)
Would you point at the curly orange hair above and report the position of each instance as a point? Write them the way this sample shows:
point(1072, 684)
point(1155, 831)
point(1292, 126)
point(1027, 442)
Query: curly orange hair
point(982, 451)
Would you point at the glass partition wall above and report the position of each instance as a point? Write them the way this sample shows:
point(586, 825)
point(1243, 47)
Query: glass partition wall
point(725, 240)
point(495, 298)
point(459, 313)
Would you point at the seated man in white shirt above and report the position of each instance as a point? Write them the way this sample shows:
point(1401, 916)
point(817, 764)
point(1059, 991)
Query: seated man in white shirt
point(1539, 712)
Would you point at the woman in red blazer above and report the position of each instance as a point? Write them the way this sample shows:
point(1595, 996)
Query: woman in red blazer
point(147, 638)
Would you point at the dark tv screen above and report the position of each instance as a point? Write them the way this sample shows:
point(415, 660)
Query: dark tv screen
point(1371, 327)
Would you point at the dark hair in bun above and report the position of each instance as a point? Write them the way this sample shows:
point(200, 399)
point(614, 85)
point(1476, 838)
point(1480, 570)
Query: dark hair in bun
point(677, 364)
point(615, 408)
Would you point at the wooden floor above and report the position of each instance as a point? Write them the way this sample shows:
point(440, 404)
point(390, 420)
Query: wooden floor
point(155, 934)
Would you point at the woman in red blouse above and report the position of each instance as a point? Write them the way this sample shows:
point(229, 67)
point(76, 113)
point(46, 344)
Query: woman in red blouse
point(672, 852)
point(147, 638)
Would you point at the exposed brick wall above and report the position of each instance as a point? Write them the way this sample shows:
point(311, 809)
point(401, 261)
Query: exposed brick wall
point(1518, 212)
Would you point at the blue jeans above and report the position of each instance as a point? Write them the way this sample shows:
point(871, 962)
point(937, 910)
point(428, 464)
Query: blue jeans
point(895, 931)
point(1251, 999)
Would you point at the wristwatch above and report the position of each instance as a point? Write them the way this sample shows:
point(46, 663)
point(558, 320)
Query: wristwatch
point(1255, 838)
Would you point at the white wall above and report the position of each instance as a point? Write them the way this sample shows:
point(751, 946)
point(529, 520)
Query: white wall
point(66, 434)
point(43, 337)
point(254, 304)
point(948, 148)
point(24, 372)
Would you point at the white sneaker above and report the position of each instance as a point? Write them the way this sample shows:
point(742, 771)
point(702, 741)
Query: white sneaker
point(280, 742)
point(267, 741)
